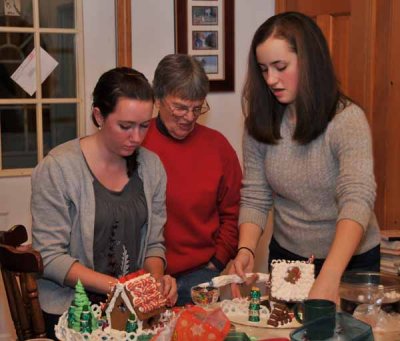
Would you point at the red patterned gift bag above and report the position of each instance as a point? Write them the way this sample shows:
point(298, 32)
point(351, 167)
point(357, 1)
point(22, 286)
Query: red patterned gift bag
point(198, 324)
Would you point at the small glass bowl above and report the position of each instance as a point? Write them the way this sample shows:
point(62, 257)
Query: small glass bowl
point(204, 296)
point(361, 287)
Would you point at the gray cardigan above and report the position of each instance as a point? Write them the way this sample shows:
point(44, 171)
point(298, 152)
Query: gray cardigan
point(63, 209)
point(312, 186)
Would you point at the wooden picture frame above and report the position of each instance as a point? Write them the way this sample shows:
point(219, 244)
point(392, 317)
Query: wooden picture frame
point(124, 32)
point(205, 30)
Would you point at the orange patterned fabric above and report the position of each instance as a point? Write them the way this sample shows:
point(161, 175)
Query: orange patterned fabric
point(197, 324)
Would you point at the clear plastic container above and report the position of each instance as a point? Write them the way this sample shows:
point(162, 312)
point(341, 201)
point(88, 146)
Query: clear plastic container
point(359, 287)
point(347, 329)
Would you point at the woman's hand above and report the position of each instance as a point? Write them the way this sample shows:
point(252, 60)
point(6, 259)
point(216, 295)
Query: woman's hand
point(242, 264)
point(347, 238)
point(326, 287)
point(169, 289)
point(249, 234)
point(24, 247)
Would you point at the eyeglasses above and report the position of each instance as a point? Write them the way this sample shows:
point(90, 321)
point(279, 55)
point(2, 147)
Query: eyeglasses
point(182, 110)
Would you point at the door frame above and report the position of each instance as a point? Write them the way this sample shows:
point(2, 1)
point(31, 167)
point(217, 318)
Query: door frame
point(123, 11)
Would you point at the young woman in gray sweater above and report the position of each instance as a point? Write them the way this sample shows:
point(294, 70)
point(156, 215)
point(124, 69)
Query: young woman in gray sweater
point(98, 202)
point(308, 155)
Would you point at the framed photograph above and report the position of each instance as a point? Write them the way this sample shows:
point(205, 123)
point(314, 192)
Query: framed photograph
point(205, 40)
point(210, 63)
point(207, 33)
point(204, 15)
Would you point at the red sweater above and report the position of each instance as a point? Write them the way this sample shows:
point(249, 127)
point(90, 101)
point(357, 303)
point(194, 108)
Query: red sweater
point(203, 193)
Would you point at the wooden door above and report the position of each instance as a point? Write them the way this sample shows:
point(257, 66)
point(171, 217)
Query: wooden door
point(386, 109)
point(347, 27)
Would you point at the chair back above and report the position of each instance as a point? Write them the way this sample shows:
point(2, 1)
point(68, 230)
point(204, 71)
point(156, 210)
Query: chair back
point(19, 268)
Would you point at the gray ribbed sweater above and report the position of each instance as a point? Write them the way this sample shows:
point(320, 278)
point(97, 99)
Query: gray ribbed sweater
point(311, 187)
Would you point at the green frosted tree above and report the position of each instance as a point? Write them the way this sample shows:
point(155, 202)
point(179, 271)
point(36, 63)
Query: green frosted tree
point(80, 301)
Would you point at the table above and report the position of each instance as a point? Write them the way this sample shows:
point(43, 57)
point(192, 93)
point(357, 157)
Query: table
point(258, 332)
point(263, 333)
point(266, 333)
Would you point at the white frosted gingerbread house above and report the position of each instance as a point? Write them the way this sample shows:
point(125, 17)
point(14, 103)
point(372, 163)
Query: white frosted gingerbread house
point(291, 281)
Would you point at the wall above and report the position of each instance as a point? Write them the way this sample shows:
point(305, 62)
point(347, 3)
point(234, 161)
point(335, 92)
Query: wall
point(99, 48)
point(152, 38)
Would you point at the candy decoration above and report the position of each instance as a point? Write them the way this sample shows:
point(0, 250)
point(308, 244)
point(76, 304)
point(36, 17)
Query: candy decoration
point(293, 274)
point(254, 306)
point(85, 327)
point(86, 320)
point(86, 314)
point(132, 275)
point(131, 324)
point(204, 296)
point(279, 315)
point(311, 259)
point(72, 322)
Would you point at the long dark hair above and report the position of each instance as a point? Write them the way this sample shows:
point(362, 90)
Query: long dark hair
point(114, 84)
point(318, 94)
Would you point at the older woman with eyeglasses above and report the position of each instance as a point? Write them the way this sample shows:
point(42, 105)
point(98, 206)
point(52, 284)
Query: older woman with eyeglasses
point(203, 176)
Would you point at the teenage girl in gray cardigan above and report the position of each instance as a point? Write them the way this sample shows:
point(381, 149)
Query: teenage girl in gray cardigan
point(307, 154)
point(98, 203)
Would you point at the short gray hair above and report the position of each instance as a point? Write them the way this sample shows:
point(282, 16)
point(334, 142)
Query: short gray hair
point(180, 75)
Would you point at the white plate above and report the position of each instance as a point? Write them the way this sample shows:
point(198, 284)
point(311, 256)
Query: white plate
point(244, 320)
point(237, 310)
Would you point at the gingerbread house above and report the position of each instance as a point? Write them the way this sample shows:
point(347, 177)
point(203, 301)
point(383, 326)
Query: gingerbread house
point(291, 281)
point(137, 294)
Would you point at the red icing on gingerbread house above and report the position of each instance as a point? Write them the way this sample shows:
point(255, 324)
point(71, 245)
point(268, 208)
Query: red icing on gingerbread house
point(137, 293)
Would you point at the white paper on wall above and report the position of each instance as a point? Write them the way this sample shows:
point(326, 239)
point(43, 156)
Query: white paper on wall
point(12, 7)
point(25, 75)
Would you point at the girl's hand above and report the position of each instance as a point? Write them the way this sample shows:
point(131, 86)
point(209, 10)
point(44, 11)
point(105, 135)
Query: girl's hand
point(243, 263)
point(169, 289)
point(211, 266)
